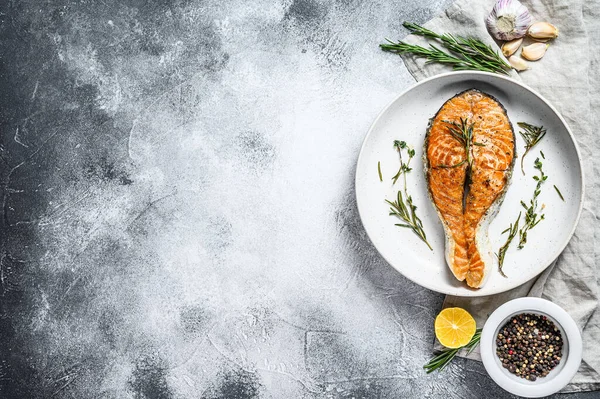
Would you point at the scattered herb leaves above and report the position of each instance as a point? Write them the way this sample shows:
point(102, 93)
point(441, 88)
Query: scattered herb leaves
point(512, 232)
point(559, 193)
point(532, 218)
point(379, 171)
point(532, 135)
point(403, 206)
point(466, 53)
point(440, 361)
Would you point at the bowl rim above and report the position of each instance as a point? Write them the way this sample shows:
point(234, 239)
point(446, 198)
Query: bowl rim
point(539, 388)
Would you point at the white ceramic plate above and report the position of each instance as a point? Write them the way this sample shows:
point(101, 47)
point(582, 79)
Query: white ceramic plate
point(406, 118)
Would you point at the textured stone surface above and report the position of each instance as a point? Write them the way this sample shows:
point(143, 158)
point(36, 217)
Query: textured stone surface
point(178, 204)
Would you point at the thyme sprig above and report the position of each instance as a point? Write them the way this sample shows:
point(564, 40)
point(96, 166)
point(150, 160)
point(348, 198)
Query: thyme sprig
point(404, 168)
point(532, 218)
point(532, 135)
point(440, 361)
point(403, 206)
point(512, 232)
point(466, 53)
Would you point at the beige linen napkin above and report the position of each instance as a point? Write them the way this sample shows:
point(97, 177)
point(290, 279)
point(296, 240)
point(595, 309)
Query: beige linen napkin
point(568, 77)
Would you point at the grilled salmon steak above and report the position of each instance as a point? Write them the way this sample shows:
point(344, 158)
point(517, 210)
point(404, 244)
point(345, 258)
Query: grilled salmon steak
point(469, 158)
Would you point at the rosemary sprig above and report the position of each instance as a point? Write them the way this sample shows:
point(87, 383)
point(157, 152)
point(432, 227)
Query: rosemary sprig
point(458, 44)
point(451, 166)
point(379, 171)
point(440, 361)
point(532, 218)
point(559, 193)
point(403, 206)
point(463, 132)
point(532, 135)
point(512, 232)
point(466, 53)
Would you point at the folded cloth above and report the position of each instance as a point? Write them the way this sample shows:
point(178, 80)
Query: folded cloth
point(568, 76)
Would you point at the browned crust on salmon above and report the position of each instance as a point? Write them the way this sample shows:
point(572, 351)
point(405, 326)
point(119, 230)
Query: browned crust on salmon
point(467, 252)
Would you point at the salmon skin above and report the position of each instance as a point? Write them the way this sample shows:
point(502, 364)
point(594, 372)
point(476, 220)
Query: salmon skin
point(469, 157)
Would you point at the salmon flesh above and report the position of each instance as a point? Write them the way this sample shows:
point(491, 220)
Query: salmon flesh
point(469, 158)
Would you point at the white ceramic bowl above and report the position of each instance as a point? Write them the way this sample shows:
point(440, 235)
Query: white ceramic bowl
point(560, 376)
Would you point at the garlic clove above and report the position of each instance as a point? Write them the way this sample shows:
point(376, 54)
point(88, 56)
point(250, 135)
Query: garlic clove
point(509, 48)
point(535, 51)
point(542, 30)
point(508, 20)
point(518, 63)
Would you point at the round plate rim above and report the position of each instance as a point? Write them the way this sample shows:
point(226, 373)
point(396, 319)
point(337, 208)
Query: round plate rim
point(467, 292)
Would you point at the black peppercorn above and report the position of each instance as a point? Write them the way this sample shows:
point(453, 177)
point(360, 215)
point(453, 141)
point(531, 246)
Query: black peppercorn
point(529, 346)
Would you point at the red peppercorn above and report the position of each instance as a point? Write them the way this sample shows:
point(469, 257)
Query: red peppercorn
point(510, 352)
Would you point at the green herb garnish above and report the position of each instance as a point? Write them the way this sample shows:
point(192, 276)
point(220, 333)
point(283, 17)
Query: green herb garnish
point(559, 193)
point(404, 168)
point(512, 232)
point(451, 166)
point(466, 53)
point(446, 356)
point(532, 135)
point(463, 132)
point(379, 170)
point(532, 218)
point(403, 206)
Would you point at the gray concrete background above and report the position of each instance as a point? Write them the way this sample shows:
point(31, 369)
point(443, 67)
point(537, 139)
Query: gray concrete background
point(178, 204)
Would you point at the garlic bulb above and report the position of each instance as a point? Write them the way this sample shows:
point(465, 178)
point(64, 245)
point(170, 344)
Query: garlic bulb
point(542, 30)
point(509, 48)
point(534, 51)
point(508, 20)
point(518, 63)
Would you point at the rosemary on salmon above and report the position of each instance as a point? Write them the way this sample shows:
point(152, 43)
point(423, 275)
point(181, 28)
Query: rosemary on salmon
point(462, 132)
point(469, 147)
point(403, 207)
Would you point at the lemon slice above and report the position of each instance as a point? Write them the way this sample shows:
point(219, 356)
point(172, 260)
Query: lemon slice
point(454, 327)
